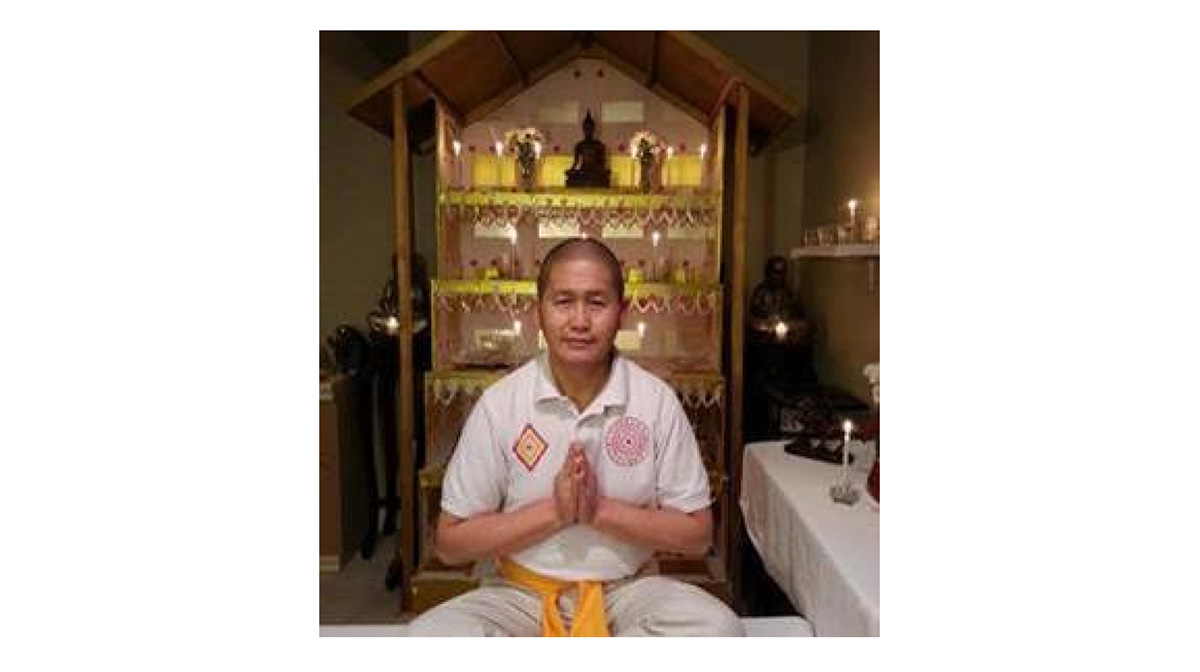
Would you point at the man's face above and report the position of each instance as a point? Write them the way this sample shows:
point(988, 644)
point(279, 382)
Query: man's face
point(579, 312)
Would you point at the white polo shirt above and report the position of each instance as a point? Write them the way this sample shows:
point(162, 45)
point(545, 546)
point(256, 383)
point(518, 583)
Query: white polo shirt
point(638, 441)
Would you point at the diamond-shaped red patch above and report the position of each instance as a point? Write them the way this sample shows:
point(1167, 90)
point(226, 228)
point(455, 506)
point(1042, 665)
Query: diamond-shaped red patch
point(530, 447)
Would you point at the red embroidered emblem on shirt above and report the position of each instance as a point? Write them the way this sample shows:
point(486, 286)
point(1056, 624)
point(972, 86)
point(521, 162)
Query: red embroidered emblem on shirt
point(530, 447)
point(627, 441)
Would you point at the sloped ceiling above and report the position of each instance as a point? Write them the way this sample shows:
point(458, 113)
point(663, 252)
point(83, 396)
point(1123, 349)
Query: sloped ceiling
point(473, 73)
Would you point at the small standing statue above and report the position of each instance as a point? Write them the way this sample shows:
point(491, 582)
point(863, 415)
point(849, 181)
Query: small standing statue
point(773, 304)
point(646, 151)
point(779, 337)
point(590, 168)
point(526, 143)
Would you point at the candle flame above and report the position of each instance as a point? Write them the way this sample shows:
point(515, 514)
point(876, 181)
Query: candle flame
point(457, 147)
point(847, 426)
point(703, 150)
point(781, 329)
point(499, 148)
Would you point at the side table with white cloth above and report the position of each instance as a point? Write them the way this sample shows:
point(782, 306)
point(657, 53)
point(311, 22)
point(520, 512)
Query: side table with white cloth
point(824, 555)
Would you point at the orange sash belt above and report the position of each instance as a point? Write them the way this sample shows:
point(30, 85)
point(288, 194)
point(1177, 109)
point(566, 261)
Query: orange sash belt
point(590, 617)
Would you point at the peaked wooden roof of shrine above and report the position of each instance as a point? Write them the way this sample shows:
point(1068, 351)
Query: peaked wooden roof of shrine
point(473, 73)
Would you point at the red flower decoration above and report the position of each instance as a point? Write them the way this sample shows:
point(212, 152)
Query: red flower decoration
point(556, 148)
point(682, 147)
point(621, 147)
point(471, 148)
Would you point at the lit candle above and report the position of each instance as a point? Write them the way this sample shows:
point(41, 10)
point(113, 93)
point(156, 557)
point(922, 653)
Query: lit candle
point(512, 235)
point(632, 164)
point(537, 162)
point(781, 330)
point(703, 165)
point(654, 265)
point(846, 427)
point(667, 177)
point(457, 164)
point(499, 153)
point(853, 207)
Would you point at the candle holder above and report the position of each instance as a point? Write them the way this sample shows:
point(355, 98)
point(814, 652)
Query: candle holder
point(843, 492)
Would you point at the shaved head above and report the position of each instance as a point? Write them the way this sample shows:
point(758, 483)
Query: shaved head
point(582, 248)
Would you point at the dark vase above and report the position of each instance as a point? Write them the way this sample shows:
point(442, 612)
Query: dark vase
point(646, 179)
point(526, 168)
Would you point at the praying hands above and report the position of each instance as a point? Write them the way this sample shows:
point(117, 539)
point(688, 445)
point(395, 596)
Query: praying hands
point(576, 492)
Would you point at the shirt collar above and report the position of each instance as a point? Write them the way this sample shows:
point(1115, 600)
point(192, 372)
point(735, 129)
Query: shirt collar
point(614, 393)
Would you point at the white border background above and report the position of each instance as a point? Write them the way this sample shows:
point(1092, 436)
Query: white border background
point(160, 187)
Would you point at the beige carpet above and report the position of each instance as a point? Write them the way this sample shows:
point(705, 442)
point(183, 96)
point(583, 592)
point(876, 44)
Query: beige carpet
point(356, 595)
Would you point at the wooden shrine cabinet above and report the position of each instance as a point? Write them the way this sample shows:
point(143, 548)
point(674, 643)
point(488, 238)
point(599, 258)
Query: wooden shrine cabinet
point(680, 237)
point(492, 236)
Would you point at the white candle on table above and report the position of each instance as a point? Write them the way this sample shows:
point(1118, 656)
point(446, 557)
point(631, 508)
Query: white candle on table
point(667, 177)
point(781, 330)
point(853, 208)
point(846, 427)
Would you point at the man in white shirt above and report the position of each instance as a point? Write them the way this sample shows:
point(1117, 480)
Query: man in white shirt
point(572, 471)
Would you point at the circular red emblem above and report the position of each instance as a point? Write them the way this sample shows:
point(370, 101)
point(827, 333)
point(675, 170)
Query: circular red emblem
point(627, 441)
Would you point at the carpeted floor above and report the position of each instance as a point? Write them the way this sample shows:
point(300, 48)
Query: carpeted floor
point(356, 595)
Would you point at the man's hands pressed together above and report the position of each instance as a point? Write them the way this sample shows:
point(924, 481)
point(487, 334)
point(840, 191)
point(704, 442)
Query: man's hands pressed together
point(588, 488)
point(576, 491)
point(566, 489)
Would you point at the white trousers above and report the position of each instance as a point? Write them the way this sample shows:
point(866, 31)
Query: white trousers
point(650, 606)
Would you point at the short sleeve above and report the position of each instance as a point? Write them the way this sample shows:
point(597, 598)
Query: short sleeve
point(682, 481)
point(474, 481)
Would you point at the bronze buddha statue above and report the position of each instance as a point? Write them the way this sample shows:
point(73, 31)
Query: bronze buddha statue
point(590, 168)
